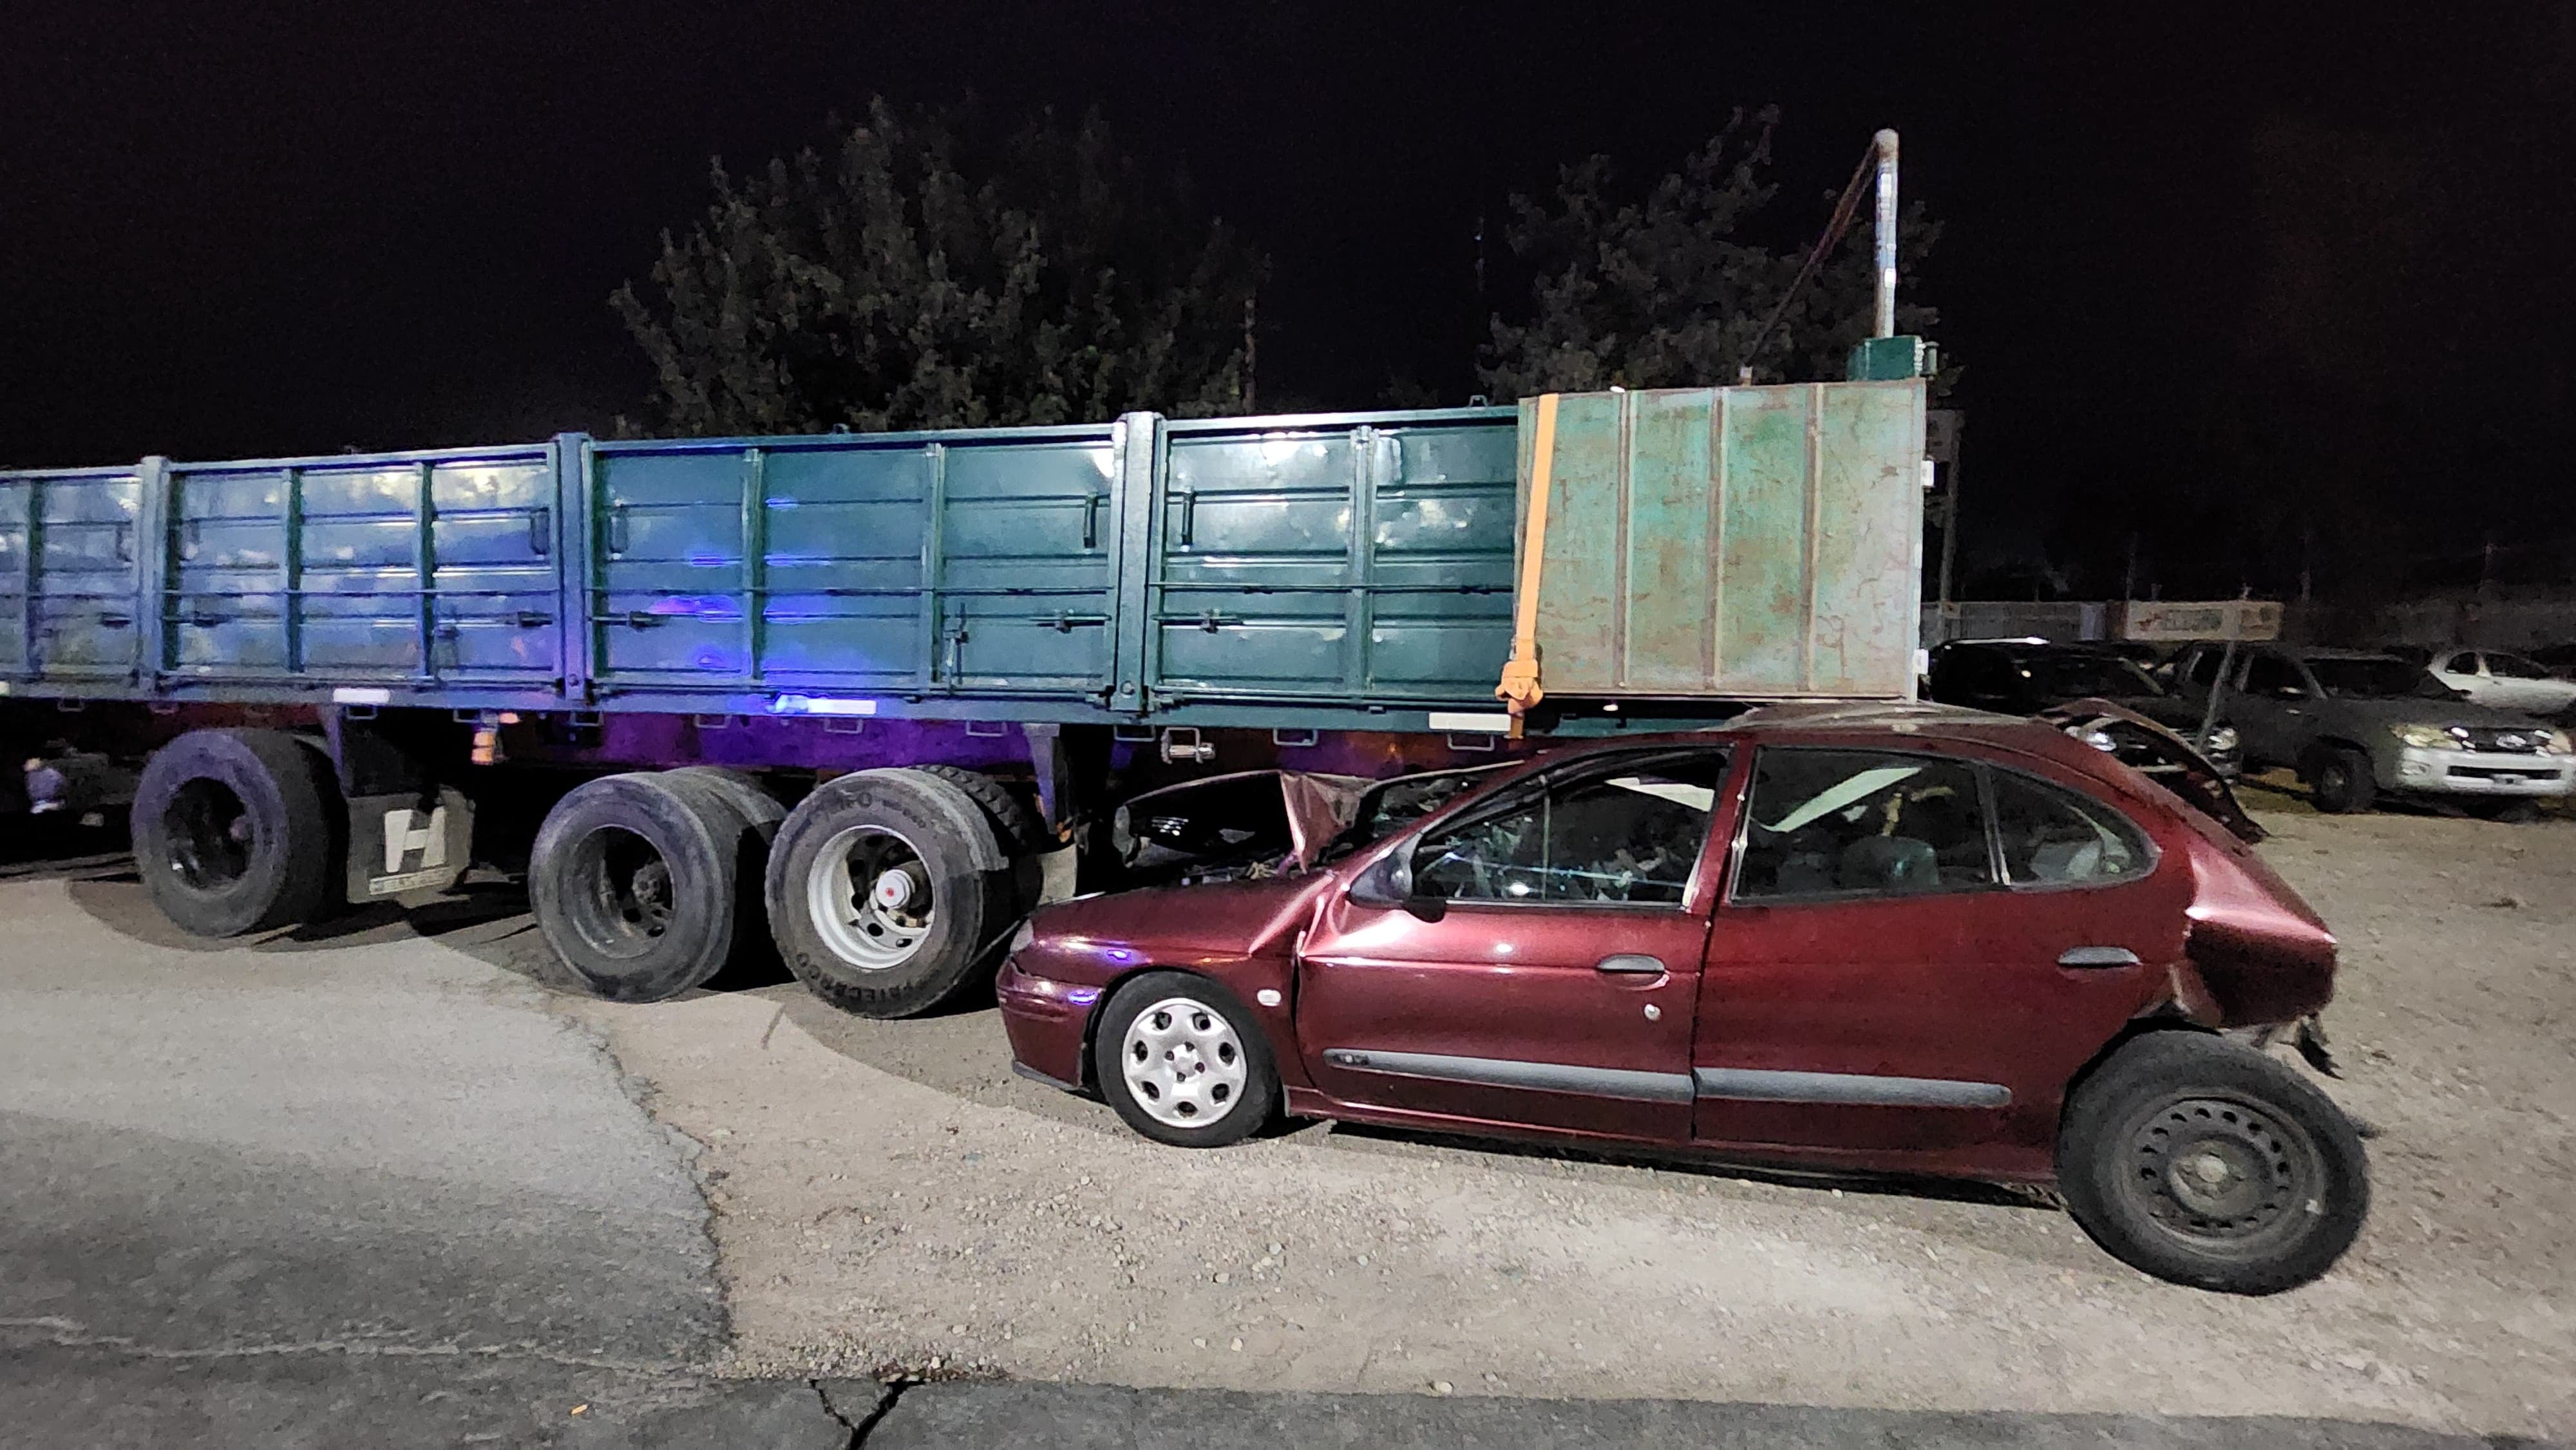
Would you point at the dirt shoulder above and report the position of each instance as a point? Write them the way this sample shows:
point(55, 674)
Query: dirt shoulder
point(887, 1193)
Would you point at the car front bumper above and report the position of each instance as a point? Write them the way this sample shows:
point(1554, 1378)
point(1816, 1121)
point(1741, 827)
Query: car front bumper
point(2480, 772)
point(1045, 1020)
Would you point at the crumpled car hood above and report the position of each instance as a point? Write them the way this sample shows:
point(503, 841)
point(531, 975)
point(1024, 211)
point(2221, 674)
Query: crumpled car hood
point(1098, 937)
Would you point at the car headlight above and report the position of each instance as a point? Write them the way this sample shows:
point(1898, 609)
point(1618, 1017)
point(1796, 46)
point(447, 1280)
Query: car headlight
point(2223, 739)
point(2556, 742)
point(2425, 737)
point(1024, 938)
point(2101, 740)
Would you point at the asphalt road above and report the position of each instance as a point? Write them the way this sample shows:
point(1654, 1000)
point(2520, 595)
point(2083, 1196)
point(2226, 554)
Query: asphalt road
point(361, 1185)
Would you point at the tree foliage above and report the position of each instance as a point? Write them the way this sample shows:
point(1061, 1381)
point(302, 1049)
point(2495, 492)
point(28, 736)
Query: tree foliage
point(1665, 289)
point(925, 276)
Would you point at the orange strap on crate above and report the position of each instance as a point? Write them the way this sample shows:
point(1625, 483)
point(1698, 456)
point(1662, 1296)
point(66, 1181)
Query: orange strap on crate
point(1520, 688)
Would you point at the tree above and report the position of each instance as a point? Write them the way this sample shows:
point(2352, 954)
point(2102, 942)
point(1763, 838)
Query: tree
point(1662, 290)
point(924, 276)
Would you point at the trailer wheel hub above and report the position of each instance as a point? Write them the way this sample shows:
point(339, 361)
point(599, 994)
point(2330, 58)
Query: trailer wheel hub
point(870, 897)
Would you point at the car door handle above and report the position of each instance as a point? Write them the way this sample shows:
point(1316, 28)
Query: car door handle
point(1632, 963)
point(2097, 957)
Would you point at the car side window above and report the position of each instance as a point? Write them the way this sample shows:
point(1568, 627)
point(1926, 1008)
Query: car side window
point(2053, 836)
point(1860, 823)
point(2271, 674)
point(1625, 832)
point(2463, 663)
point(2514, 667)
point(2202, 668)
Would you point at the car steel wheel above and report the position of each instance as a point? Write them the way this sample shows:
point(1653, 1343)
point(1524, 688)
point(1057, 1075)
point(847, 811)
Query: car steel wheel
point(870, 896)
point(1183, 1063)
point(2223, 1173)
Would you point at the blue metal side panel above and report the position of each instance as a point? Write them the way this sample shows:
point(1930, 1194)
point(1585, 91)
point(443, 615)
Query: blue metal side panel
point(1349, 560)
point(972, 562)
point(68, 573)
point(411, 570)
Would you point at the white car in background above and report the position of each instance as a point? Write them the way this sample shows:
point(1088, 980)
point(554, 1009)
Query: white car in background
point(2505, 681)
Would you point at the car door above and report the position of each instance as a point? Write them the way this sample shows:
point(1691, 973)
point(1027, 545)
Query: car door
point(1544, 970)
point(2520, 684)
point(2275, 708)
point(1891, 969)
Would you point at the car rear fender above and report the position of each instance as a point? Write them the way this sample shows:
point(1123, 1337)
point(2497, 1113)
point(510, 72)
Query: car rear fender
point(2253, 952)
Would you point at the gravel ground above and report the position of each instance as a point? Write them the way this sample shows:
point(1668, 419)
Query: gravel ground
point(887, 1195)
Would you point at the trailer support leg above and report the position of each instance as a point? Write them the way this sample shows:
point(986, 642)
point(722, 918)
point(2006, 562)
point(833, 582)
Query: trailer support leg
point(1056, 795)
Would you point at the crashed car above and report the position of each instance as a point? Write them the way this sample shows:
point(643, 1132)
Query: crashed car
point(1901, 939)
point(2035, 676)
point(1258, 823)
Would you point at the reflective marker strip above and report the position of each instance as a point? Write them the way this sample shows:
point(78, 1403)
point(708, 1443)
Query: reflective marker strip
point(820, 705)
point(352, 695)
point(1495, 724)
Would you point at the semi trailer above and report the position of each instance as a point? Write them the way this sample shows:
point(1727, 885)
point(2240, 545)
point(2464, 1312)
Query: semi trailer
point(872, 697)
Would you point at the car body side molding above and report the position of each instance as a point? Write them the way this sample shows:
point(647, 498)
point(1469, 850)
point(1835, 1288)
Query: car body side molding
point(1552, 1077)
point(1746, 1084)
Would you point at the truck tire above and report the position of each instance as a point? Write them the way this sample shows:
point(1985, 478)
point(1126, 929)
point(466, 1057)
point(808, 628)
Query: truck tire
point(2340, 778)
point(1023, 836)
point(2203, 1162)
point(747, 794)
point(886, 890)
point(233, 831)
point(638, 883)
point(1019, 829)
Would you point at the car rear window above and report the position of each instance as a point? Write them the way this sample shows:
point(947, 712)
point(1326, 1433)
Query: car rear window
point(2053, 836)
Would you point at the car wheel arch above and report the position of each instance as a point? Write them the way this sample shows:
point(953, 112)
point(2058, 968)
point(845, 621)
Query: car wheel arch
point(1089, 1067)
point(2167, 1015)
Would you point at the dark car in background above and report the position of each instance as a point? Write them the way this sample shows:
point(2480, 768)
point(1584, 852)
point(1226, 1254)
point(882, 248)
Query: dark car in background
point(2034, 676)
point(1896, 938)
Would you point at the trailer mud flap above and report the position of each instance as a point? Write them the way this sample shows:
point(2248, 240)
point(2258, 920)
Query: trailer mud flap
point(396, 846)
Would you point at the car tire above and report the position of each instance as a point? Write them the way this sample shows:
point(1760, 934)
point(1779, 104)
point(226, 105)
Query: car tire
point(1183, 1062)
point(2511, 812)
point(2204, 1162)
point(886, 890)
point(2341, 781)
point(638, 883)
point(235, 831)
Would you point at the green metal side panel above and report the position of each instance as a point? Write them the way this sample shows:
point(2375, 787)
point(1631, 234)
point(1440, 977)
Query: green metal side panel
point(1732, 543)
point(68, 544)
point(1347, 560)
point(392, 570)
point(966, 562)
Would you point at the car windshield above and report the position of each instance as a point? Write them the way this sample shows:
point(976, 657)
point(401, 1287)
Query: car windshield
point(1402, 801)
point(2369, 678)
point(2074, 676)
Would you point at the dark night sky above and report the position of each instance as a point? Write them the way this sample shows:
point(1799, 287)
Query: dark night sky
point(2255, 289)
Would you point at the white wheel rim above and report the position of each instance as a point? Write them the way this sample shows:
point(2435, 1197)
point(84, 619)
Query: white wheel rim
point(869, 895)
point(1183, 1064)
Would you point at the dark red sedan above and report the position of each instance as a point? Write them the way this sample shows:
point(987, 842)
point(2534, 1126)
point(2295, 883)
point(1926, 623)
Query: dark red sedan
point(1906, 939)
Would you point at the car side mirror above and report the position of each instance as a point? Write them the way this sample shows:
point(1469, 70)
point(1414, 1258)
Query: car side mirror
point(1388, 882)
